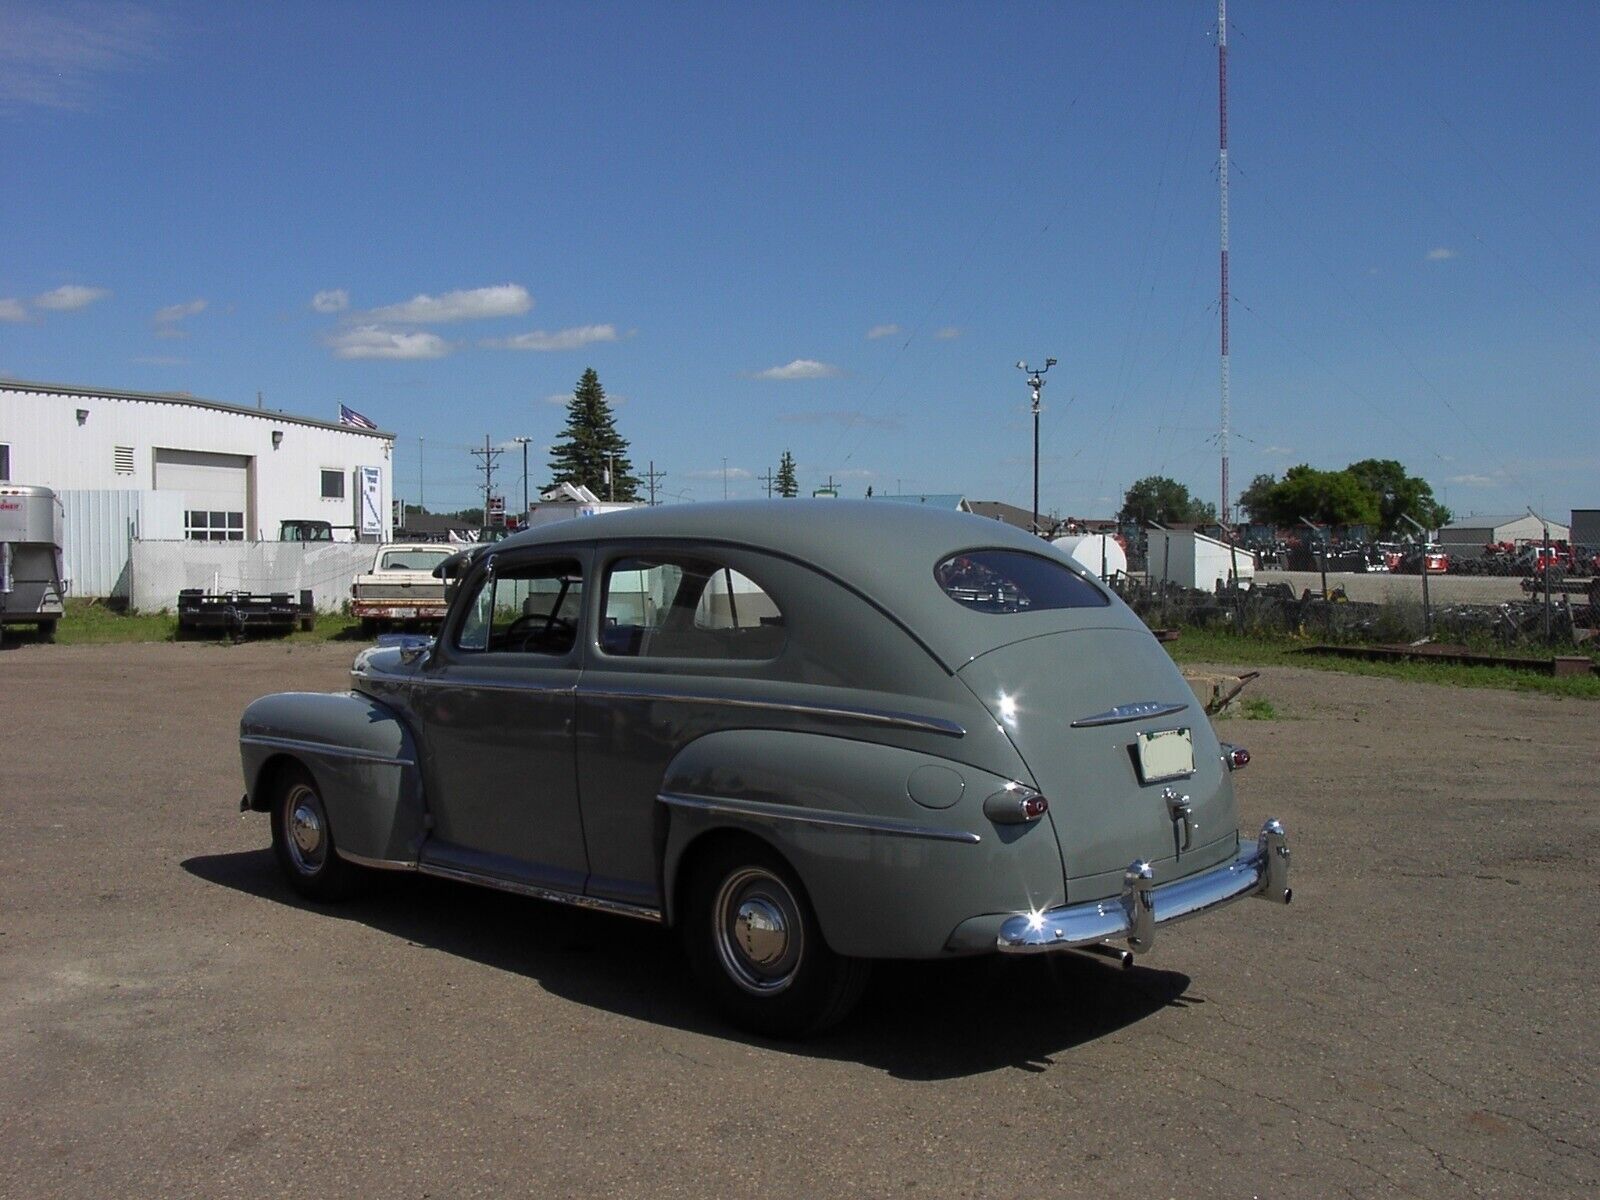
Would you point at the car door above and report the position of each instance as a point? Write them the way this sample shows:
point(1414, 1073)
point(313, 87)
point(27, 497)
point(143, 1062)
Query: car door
point(682, 639)
point(496, 706)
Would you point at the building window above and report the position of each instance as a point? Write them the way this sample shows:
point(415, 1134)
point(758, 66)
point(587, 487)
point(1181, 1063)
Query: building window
point(203, 525)
point(333, 485)
point(122, 460)
point(5, 463)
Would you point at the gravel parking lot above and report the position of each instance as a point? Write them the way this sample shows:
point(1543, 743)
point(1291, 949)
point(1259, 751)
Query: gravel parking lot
point(174, 1022)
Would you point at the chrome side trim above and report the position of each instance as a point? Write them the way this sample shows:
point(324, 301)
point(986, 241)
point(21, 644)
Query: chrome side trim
point(480, 684)
point(761, 810)
point(377, 864)
point(519, 888)
point(1141, 710)
point(1260, 870)
point(880, 716)
point(283, 743)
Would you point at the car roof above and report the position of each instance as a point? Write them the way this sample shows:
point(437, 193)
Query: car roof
point(887, 552)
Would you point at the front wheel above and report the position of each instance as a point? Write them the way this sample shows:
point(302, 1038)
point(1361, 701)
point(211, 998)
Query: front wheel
point(756, 949)
point(302, 839)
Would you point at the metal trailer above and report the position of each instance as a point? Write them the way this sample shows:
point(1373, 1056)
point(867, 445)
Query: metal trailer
point(240, 613)
point(32, 590)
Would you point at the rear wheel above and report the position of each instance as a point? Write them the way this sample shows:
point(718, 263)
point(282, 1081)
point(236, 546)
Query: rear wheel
point(756, 949)
point(302, 839)
point(47, 631)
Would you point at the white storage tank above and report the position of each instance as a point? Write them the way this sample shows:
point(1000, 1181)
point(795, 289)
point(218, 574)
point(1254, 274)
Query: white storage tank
point(1101, 553)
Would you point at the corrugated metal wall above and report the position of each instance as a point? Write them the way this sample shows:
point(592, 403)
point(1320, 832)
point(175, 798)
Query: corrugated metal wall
point(161, 569)
point(99, 526)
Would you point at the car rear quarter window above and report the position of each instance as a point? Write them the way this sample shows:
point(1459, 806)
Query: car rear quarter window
point(674, 607)
point(1014, 581)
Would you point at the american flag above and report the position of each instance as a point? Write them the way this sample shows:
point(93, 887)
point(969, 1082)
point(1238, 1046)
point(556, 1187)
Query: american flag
point(349, 416)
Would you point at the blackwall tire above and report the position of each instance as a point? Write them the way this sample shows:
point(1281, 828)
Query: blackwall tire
point(302, 839)
point(756, 949)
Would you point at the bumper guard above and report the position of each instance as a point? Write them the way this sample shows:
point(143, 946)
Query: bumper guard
point(1261, 871)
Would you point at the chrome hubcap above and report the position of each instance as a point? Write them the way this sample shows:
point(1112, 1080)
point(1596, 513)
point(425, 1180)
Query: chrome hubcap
point(306, 826)
point(759, 934)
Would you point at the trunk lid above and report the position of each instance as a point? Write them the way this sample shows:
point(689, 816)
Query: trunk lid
point(1074, 704)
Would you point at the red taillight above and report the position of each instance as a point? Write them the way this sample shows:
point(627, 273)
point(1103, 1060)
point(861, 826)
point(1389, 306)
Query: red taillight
point(1015, 805)
point(1239, 758)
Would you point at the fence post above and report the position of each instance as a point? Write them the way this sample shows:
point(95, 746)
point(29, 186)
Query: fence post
point(1427, 610)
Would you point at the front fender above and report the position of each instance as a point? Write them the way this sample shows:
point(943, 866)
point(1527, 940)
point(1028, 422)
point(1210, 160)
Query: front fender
point(887, 876)
point(362, 757)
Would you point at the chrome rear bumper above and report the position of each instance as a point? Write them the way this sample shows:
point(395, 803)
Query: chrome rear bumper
point(1261, 870)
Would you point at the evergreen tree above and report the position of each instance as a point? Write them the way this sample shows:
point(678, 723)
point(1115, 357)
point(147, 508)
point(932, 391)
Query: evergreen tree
point(591, 446)
point(788, 486)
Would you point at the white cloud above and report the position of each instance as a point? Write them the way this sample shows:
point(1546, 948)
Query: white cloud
point(70, 297)
point(372, 341)
point(52, 54)
point(560, 397)
point(882, 331)
point(177, 312)
point(1442, 254)
point(12, 310)
point(800, 368)
point(160, 360)
point(167, 320)
point(716, 473)
point(1474, 480)
point(948, 334)
point(1277, 449)
point(562, 339)
point(331, 301)
point(474, 304)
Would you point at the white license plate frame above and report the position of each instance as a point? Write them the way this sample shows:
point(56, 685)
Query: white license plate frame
point(1165, 754)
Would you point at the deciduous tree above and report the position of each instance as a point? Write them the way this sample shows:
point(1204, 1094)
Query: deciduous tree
point(1155, 498)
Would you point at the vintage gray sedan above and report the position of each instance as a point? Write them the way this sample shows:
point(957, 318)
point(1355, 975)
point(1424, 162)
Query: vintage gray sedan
point(805, 734)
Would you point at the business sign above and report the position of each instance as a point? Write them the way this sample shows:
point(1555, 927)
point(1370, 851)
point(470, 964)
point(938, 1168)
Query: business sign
point(370, 496)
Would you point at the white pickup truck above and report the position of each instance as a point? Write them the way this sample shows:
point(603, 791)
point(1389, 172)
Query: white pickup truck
point(401, 588)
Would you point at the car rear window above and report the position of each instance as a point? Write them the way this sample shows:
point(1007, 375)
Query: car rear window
point(413, 560)
point(1012, 581)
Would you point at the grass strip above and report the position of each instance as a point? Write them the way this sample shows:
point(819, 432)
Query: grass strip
point(1232, 649)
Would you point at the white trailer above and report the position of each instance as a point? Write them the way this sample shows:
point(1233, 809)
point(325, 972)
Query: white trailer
point(1193, 560)
point(31, 588)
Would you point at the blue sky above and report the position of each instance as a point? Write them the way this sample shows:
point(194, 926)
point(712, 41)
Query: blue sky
point(831, 229)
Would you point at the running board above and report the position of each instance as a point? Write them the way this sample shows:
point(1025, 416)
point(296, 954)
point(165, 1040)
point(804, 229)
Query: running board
point(618, 907)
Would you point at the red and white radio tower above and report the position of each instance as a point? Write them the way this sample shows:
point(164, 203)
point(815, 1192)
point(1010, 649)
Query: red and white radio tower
point(1222, 176)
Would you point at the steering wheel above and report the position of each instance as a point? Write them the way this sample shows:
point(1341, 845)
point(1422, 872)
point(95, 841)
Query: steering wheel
point(521, 632)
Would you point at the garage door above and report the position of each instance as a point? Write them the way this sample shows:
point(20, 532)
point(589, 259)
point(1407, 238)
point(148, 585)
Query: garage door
point(216, 491)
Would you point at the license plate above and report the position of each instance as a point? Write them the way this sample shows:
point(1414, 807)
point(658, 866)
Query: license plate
point(401, 614)
point(1168, 754)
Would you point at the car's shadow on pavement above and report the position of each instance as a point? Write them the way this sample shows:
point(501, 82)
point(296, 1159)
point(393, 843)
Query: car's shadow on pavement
point(918, 1020)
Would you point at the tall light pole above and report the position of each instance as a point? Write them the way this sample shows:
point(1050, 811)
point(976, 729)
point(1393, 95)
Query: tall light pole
point(1036, 384)
point(523, 442)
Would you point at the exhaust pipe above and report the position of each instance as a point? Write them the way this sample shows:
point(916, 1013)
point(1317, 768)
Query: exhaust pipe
point(1124, 958)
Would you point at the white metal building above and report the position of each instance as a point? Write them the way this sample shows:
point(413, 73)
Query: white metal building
point(1193, 560)
point(242, 470)
point(209, 471)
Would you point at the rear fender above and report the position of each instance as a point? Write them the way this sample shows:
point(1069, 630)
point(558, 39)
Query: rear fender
point(888, 877)
point(364, 762)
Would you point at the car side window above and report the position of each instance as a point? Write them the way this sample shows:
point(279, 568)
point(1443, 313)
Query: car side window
point(531, 608)
point(686, 607)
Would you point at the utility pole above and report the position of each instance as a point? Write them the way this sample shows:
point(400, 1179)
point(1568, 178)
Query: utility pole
point(422, 499)
point(488, 454)
point(1427, 609)
point(523, 441)
point(654, 476)
point(724, 477)
point(1222, 179)
point(768, 479)
point(1036, 384)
